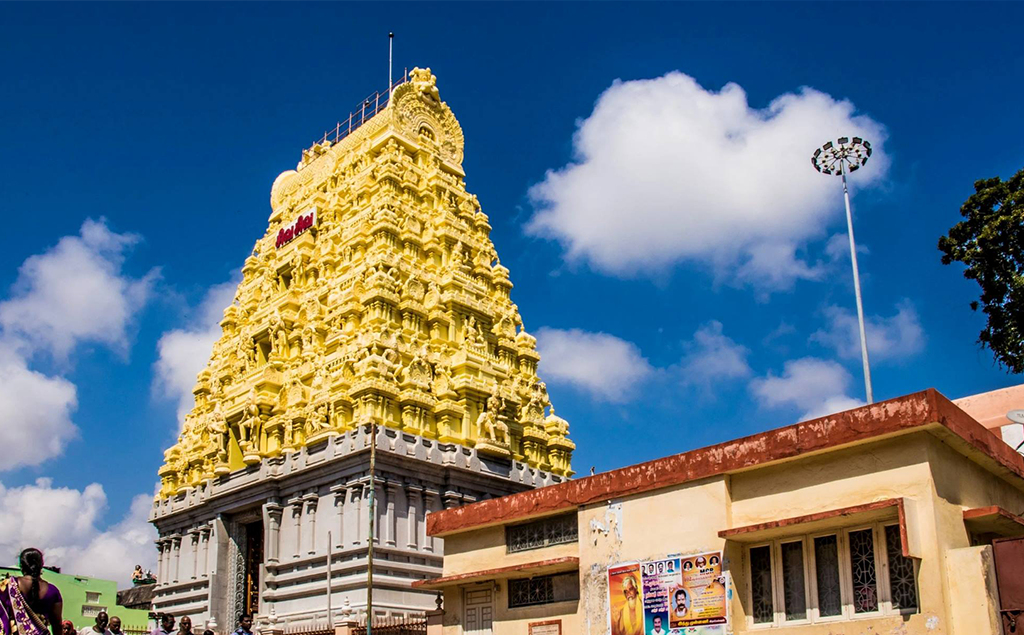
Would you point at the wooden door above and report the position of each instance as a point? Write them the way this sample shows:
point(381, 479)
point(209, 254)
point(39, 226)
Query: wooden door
point(479, 604)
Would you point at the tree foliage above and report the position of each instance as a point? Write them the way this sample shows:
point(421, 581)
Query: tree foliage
point(990, 243)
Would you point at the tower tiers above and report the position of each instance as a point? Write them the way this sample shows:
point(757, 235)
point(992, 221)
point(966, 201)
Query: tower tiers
point(374, 297)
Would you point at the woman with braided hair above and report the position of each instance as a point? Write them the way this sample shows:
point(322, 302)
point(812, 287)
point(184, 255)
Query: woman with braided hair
point(30, 605)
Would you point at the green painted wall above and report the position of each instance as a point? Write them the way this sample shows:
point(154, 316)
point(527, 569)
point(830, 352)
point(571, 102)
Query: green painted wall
point(85, 597)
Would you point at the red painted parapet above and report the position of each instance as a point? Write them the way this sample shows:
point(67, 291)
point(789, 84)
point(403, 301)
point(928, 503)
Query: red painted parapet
point(895, 416)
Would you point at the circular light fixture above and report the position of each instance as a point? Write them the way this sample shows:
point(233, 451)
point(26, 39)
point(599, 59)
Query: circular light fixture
point(846, 154)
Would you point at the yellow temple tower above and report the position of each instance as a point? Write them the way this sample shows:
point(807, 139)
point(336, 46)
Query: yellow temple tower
point(375, 296)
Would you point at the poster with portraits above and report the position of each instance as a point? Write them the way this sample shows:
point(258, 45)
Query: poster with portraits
point(660, 578)
point(685, 594)
point(701, 598)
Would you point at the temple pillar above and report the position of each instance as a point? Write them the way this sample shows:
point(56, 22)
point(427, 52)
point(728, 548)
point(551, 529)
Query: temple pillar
point(355, 514)
point(176, 544)
point(159, 560)
point(274, 512)
point(378, 511)
point(433, 504)
point(205, 532)
point(194, 534)
point(391, 522)
point(309, 523)
point(296, 524)
point(340, 493)
point(413, 497)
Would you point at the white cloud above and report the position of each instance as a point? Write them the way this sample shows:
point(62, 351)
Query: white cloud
point(62, 522)
point(838, 249)
point(72, 293)
point(666, 171)
point(713, 356)
point(896, 337)
point(35, 419)
point(603, 365)
point(76, 292)
point(815, 386)
point(182, 353)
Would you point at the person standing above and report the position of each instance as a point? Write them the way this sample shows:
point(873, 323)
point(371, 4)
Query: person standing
point(166, 625)
point(244, 624)
point(99, 627)
point(185, 626)
point(115, 626)
point(27, 602)
point(68, 628)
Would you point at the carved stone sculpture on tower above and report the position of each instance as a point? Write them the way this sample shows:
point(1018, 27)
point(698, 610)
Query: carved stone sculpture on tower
point(387, 304)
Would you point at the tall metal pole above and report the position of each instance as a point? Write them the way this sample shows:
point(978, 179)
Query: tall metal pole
point(391, 48)
point(330, 578)
point(837, 158)
point(373, 515)
point(856, 289)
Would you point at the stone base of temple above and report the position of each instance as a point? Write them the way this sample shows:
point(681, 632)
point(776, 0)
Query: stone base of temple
point(259, 538)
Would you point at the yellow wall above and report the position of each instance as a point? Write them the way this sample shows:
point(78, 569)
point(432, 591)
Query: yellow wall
point(485, 549)
point(512, 621)
point(937, 481)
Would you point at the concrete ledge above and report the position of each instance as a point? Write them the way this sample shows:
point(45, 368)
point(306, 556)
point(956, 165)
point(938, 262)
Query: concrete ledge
point(994, 520)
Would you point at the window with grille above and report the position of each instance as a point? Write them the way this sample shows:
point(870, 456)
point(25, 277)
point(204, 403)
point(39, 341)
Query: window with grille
point(835, 576)
point(543, 589)
point(542, 533)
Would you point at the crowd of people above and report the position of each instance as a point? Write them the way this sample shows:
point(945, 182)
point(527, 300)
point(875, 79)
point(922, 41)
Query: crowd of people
point(185, 626)
point(30, 605)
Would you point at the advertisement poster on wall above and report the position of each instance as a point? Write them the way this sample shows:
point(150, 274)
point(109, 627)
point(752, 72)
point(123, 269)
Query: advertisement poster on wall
point(625, 600)
point(676, 595)
point(700, 599)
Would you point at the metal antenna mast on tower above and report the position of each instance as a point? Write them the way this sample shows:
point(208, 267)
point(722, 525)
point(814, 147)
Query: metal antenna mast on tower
point(391, 57)
point(849, 155)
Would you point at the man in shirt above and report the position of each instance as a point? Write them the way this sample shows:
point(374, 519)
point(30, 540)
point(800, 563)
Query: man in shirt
point(166, 625)
point(99, 628)
point(657, 630)
point(115, 626)
point(244, 624)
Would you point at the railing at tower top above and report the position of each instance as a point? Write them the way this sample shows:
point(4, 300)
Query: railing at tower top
point(372, 105)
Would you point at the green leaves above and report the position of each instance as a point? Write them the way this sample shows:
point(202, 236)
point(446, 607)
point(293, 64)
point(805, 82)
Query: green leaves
point(990, 244)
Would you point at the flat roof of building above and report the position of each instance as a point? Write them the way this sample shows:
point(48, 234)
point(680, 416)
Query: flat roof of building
point(921, 411)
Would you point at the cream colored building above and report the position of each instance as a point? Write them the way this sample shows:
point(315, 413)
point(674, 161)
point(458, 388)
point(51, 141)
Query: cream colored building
point(876, 520)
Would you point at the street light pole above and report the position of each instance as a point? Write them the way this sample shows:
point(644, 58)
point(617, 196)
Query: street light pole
point(848, 155)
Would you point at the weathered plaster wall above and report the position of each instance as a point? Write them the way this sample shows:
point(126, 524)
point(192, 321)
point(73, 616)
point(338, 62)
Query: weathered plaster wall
point(971, 574)
point(680, 519)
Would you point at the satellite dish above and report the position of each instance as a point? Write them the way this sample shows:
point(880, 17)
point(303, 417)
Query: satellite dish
point(1016, 416)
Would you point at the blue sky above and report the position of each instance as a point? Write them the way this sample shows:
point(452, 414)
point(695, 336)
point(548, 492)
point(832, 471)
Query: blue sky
point(170, 121)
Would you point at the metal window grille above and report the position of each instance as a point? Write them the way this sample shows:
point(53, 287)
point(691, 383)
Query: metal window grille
point(531, 591)
point(542, 533)
point(826, 571)
point(862, 569)
point(761, 584)
point(793, 589)
point(544, 589)
point(902, 583)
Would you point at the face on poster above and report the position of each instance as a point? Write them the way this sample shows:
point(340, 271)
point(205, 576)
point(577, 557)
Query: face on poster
point(625, 599)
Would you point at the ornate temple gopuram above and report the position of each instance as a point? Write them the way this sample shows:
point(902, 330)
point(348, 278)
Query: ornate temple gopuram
point(374, 301)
